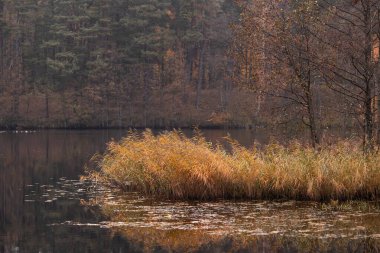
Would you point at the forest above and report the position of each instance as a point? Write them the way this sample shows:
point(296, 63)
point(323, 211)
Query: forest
point(106, 63)
point(307, 64)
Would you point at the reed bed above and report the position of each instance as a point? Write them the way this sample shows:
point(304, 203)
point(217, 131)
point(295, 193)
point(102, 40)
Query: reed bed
point(173, 166)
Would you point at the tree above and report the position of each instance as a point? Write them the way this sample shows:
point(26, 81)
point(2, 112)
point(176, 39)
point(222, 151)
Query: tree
point(148, 37)
point(352, 32)
point(275, 50)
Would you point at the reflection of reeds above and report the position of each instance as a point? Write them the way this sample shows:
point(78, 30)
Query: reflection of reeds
point(153, 240)
point(174, 166)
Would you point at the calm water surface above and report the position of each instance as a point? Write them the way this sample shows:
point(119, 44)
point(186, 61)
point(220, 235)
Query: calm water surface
point(45, 208)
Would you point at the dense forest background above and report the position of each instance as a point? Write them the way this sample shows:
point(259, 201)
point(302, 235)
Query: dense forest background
point(106, 63)
point(181, 63)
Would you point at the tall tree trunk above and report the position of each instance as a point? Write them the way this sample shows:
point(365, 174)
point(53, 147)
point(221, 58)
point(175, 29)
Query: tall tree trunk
point(200, 74)
point(16, 103)
point(119, 109)
point(377, 104)
point(107, 109)
point(368, 121)
point(145, 96)
point(162, 87)
point(312, 124)
point(1, 52)
point(189, 73)
point(47, 103)
point(314, 135)
point(130, 110)
point(368, 110)
point(162, 81)
point(64, 110)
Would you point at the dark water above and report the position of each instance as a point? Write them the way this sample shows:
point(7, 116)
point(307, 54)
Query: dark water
point(45, 208)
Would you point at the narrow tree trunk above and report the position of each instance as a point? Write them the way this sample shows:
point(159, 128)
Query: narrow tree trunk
point(368, 122)
point(145, 97)
point(200, 74)
point(130, 110)
point(119, 109)
point(47, 104)
point(259, 100)
point(16, 103)
point(64, 110)
point(162, 82)
point(162, 92)
point(189, 75)
point(1, 51)
point(107, 109)
point(246, 65)
point(378, 107)
point(191, 62)
point(315, 139)
point(314, 133)
point(368, 113)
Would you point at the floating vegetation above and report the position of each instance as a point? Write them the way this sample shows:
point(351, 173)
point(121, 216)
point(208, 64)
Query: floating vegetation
point(170, 165)
point(231, 218)
point(217, 226)
point(358, 206)
point(63, 189)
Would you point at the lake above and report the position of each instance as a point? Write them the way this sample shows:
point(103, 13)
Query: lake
point(45, 208)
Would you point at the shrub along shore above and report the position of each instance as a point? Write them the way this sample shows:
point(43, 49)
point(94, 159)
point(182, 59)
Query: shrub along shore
point(173, 166)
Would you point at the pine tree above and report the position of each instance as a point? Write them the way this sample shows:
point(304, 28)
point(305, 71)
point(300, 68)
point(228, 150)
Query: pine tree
point(149, 36)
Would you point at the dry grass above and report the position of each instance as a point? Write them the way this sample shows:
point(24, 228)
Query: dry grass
point(174, 166)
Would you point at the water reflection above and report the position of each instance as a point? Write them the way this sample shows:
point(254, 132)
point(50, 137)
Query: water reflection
point(38, 159)
point(248, 226)
point(44, 208)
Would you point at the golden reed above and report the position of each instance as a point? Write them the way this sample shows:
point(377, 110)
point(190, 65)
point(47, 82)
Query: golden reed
point(173, 166)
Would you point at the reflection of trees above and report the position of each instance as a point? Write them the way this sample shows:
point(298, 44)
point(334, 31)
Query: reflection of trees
point(39, 158)
point(11, 198)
